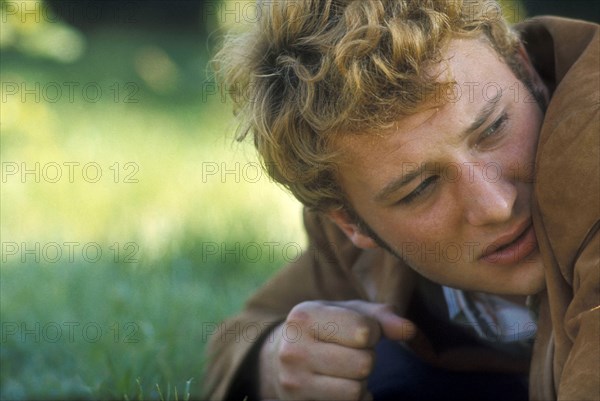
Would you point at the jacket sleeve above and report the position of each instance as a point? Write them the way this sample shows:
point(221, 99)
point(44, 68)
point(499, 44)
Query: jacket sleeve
point(567, 191)
point(323, 272)
point(580, 377)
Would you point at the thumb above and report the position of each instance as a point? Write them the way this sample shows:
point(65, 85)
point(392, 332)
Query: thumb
point(393, 326)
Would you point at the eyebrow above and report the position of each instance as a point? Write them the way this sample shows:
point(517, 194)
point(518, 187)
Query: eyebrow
point(482, 117)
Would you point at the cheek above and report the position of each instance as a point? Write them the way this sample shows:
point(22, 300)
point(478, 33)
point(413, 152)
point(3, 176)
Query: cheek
point(437, 225)
point(515, 160)
point(522, 154)
point(528, 130)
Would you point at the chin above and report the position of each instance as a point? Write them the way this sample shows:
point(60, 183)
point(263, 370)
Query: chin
point(527, 280)
point(535, 286)
point(522, 280)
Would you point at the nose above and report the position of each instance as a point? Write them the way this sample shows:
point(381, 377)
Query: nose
point(488, 199)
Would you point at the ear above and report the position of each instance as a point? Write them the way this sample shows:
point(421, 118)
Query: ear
point(352, 231)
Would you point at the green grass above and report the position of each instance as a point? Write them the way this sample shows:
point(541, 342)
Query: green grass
point(155, 300)
point(132, 324)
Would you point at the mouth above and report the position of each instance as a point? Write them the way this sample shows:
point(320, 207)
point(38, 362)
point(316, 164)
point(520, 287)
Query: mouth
point(513, 247)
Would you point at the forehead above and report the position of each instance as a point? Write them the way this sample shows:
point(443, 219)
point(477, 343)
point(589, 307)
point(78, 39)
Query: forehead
point(479, 76)
point(468, 60)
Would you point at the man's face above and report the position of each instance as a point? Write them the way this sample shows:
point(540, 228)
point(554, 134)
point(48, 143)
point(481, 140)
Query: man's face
point(449, 189)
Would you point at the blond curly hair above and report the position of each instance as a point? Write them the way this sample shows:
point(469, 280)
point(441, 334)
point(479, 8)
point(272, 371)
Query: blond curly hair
point(311, 70)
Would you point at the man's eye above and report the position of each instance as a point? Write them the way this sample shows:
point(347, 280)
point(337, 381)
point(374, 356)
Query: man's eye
point(495, 128)
point(421, 190)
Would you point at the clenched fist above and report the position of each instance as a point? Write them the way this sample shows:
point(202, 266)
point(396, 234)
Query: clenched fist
point(325, 350)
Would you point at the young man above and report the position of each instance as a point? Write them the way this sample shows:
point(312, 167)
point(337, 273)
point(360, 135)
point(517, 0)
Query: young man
point(450, 169)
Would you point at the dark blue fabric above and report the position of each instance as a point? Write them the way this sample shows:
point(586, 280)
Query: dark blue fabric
point(400, 375)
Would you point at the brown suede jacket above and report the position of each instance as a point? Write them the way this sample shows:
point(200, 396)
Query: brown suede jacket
point(565, 362)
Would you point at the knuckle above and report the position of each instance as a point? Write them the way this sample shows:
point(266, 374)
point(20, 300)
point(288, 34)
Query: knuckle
point(362, 334)
point(290, 353)
point(365, 364)
point(301, 313)
point(289, 383)
point(366, 332)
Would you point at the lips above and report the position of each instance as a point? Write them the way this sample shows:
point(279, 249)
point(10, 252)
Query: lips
point(513, 247)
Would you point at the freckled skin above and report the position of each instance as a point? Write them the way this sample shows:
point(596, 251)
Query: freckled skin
point(445, 233)
point(483, 189)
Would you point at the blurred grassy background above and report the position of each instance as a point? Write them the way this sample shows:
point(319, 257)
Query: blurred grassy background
point(190, 240)
point(186, 225)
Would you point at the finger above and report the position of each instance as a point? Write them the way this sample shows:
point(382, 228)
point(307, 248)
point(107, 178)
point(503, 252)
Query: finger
point(335, 324)
point(321, 387)
point(393, 326)
point(340, 361)
point(334, 388)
